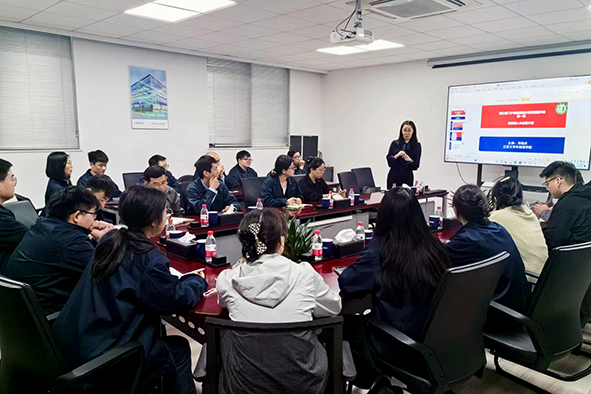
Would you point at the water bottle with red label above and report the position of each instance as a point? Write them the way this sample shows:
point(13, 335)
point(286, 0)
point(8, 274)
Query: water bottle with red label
point(317, 246)
point(210, 247)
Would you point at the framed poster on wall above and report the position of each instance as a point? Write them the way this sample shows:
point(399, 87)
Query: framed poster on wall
point(149, 98)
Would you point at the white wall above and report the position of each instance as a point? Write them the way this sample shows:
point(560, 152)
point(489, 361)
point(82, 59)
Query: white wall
point(362, 110)
point(104, 119)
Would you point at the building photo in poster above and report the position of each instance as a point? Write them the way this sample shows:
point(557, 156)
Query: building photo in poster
point(149, 98)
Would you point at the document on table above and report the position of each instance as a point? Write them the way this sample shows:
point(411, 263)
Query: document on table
point(178, 221)
point(178, 274)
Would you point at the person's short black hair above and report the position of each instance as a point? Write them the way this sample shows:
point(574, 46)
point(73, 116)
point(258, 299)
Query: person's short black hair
point(471, 204)
point(154, 160)
point(65, 202)
point(312, 163)
point(242, 154)
point(56, 165)
point(153, 172)
point(292, 152)
point(204, 164)
point(563, 169)
point(101, 183)
point(98, 156)
point(5, 166)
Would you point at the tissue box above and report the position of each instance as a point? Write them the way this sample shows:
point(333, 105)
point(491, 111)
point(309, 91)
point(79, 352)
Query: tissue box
point(230, 218)
point(218, 261)
point(348, 249)
point(182, 250)
point(341, 203)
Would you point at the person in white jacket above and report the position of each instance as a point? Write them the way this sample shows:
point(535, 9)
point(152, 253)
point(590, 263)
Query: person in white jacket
point(266, 287)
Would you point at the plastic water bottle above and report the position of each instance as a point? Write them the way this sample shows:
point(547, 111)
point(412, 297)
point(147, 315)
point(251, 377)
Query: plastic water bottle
point(331, 199)
point(210, 247)
point(317, 246)
point(394, 186)
point(169, 227)
point(360, 233)
point(204, 216)
point(352, 196)
point(259, 204)
point(439, 212)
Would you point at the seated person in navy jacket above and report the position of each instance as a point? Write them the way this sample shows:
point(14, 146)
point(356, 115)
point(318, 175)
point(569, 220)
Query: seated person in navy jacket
point(11, 231)
point(208, 189)
point(102, 187)
point(98, 161)
point(280, 189)
point(58, 169)
point(159, 160)
point(480, 239)
point(125, 289)
point(57, 248)
point(401, 269)
point(241, 170)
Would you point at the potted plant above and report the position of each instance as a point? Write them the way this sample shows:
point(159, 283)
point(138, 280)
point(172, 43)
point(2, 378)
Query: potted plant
point(298, 240)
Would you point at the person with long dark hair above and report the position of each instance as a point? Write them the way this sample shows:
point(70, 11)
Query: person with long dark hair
point(404, 156)
point(401, 269)
point(280, 189)
point(480, 239)
point(59, 169)
point(266, 287)
point(296, 156)
point(125, 289)
point(510, 211)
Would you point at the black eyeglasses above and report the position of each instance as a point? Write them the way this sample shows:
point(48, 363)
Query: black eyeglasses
point(94, 214)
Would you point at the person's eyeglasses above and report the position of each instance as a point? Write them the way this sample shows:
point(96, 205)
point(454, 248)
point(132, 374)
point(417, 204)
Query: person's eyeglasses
point(247, 158)
point(292, 168)
point(545, 184)
point(93, 214)
point(14, 180)
point(158, 184)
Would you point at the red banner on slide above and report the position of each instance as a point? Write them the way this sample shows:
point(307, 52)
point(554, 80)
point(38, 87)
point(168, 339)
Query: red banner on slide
point(524, 116)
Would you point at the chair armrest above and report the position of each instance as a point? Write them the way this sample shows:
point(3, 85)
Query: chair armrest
point(400, 337)
point(102, 362)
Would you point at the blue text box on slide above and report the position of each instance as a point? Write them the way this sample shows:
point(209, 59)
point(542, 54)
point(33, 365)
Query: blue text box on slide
point(522, 144)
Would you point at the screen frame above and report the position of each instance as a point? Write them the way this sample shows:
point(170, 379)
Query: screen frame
point(497, 164)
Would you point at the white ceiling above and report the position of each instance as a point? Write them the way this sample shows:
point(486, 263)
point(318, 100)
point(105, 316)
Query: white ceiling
point(288, 32)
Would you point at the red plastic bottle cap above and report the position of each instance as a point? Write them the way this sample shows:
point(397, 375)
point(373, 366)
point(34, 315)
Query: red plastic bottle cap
point(204, 206)
point(210, 233)
point(258, 199)
point(438, 207)
point(317, 232)
point(360, 224)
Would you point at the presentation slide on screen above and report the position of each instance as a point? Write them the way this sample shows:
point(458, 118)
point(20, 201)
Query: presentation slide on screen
point(521, 123)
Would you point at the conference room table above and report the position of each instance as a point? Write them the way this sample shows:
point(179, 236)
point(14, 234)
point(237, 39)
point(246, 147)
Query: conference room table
point(192, 323)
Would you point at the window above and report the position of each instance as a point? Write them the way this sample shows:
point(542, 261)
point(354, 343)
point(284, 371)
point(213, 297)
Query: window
point(37, 98)
point(248, 104)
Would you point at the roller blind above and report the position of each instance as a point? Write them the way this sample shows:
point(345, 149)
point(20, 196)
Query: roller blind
point(37, 94)
point(248, 104)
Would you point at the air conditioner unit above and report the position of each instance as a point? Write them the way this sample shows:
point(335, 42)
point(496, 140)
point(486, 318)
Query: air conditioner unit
point(415, 9)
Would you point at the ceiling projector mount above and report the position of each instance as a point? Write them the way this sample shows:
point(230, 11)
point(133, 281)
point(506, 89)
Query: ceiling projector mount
point(355, 36)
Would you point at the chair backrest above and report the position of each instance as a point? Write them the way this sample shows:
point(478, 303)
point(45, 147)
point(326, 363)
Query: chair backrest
point(23, 211)
point(586, 308)
point(184, 198)
point(348, 180)
point(186, 178)
point(278, 350)
point(131, 178)
point(558, 295)
point(298, 178)
point(364, 177)
point(328, 175)
point(458, 311)
point(30, 356)
point(251, 188)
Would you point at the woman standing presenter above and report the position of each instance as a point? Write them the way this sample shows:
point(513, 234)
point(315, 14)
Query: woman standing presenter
point(404, 156)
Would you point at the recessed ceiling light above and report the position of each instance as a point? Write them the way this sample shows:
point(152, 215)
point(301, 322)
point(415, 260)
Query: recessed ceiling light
point(201, 6)
point(379, 45)
point(161, 12)
point(342, 50)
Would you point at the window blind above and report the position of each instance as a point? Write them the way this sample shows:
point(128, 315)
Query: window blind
point(37, 93)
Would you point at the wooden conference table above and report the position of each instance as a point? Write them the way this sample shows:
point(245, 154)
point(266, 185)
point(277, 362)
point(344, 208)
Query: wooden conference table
point(193, 322)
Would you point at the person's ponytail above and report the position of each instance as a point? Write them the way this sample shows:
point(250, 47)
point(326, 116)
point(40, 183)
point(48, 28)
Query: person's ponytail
point(109, 254)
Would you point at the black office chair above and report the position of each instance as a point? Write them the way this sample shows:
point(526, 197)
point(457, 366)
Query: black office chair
point(552, 322)
point(251, 188)
point(131, 178)
point(186, 178)
point(348, 180)
point(184, 199)
point(328, 175)
point(298, 178)
point(364, 177)
point(271, 345)
point(24, 211)
point(32, 362)
point(451, 347)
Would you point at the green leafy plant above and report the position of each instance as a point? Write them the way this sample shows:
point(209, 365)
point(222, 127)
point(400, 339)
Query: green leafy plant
point(298, 240)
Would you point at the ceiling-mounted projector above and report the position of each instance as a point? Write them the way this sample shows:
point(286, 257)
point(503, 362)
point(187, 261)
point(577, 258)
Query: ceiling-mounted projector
point(359, 36)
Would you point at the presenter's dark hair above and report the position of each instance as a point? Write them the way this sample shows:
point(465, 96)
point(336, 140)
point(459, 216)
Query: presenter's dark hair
point(204, 164)
point(243, 154)
point(272, 227)
point(65, 202)
point(98, 156)
point(5, 166)
point(154, 160)
point(471, 204)
point(283, 162)
point(413, 140)
point(312, 163)
point(413, 258)
point(563, 169)
point(56, 166)
point(153, 172)
point(508, 192)
point(139, 207)
point(101, 183)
